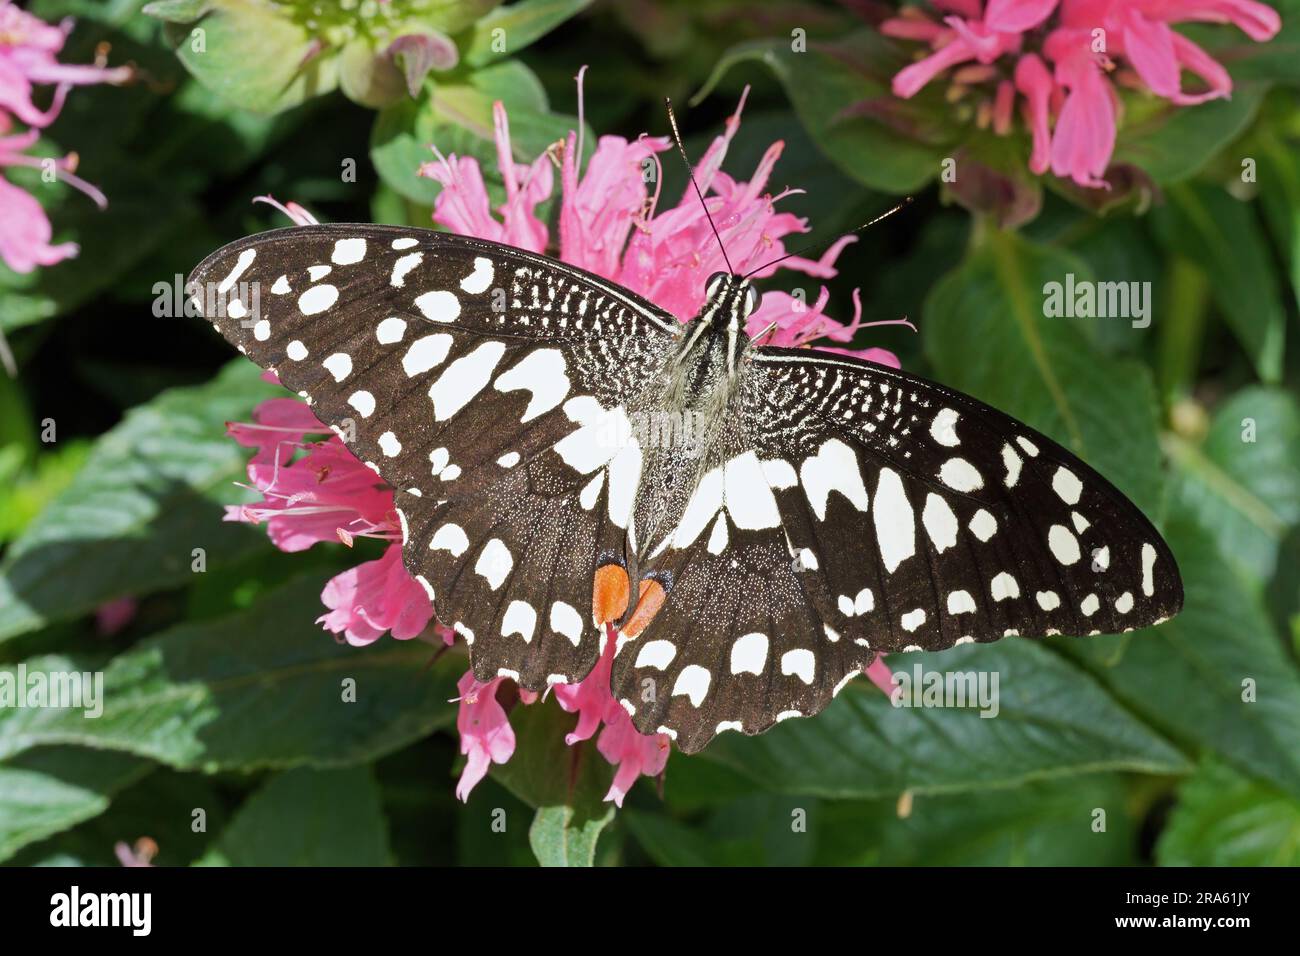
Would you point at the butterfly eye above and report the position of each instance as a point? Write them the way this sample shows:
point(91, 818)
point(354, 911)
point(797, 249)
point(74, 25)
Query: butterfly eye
point(752, 298)
point(715, 284)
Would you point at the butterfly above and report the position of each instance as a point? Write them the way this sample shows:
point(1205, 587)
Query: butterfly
point(755, 524)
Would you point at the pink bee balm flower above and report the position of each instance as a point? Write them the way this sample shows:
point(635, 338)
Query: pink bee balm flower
point(486, 736)
point(28, 51)
point(1071, 107)
point(375, 597)
point(25, 230)
point(325, 494)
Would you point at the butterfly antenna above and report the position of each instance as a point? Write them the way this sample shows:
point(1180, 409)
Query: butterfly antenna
point(884, 215)
point(677, 138)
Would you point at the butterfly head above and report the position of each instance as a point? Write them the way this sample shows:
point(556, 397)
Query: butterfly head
point(731, 300)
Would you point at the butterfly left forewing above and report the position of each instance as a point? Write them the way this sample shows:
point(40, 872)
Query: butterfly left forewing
point(475, 379)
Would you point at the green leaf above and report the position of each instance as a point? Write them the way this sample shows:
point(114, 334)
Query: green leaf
point(1051, 823)
point(1172, 143)
point(565, 784)
point(758, 829)
point(830, 84)
point(308, 818)
point(260, 688)
point(254, 55)
point(1216, 677)
point(986, 331)
point(1225, 819)
point(522, 23)
point(1222, 236)
point(149, 494)
point(1048, 823)
point(1052, 720)
point(49, 790)
point(562, 836)
point(1243, 480)
point(178, 11)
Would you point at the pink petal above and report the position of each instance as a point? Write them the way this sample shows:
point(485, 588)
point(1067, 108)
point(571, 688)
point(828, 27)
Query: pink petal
point(1085, 130)
point(908, 81)
point(1258, 21)
point(1149, 46)
point(25, 232)
point(486, 736)
point(1017, 16)
point(1035, 82)
point(881, 675)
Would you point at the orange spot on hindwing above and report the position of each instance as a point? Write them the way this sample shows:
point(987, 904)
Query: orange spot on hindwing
point(651, 599)
point(609, 594)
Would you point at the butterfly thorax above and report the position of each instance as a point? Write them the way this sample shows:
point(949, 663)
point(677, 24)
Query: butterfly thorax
point(688, 425)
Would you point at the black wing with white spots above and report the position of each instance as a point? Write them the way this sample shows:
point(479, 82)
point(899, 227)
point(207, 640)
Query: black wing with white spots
point(481, 382)
point(860, 510)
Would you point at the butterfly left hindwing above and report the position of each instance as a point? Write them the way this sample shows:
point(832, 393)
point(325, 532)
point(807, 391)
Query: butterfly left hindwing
point(477, 380)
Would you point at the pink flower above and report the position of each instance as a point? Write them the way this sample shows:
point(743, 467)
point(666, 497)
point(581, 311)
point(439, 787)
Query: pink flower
point(486, 736)
point(612, 224)
point(620, 743)
point(28, 47)
point(25, 230)
point(375, 597)
point(1088, 40)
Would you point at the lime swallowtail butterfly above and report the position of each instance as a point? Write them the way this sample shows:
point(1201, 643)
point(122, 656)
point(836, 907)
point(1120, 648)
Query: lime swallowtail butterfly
point(756, 523)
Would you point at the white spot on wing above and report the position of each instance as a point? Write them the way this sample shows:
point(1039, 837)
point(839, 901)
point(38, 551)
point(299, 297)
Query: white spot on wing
point(390, 330)
point(494, 563)
point(1063, 544)
point(363, 402)
point(693, 681)
point(943, 428)
point(438, 305)
point(749, 654)
point(348, 251)
point(940, 523)
point(1148, 567)
point(894, 521)
point(402, 268)
point(520, 618)
point(541, 373)
point(656, 654)
point(1067, 486)
point(478, 280)
point(960, 475)
point(425, 353)
point(339, 365)
point(1004, 586)
point(450, 537)
point(566, 620)
point(960, 602)
point(463, 379)
point(748, 497)
point(800, 662)
point(833, 468)
point(317, 299)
